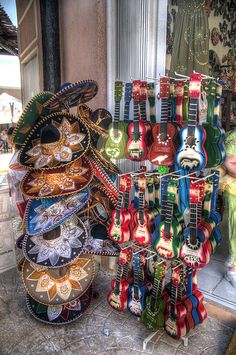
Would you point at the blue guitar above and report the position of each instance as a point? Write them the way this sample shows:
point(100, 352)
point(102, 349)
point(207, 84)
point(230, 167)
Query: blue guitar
point(137, 291)
point(191, 154)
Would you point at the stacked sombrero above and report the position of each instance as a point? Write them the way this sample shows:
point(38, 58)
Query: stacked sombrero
point(70, 190)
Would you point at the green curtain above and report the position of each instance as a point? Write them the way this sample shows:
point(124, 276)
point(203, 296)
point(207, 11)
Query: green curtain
point(191, 38)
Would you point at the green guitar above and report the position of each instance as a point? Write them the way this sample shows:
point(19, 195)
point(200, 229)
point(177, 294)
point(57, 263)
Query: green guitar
point(115, 147)
point(153, 315)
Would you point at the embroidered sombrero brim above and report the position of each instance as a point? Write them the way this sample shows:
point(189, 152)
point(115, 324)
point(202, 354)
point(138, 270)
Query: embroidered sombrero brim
point(58, 286)
point(72, 95)
point(73, 143)
point(31, 114)
point(109, 167)
point(85, 113)
point(53, 249)
point(58, 182)
point(57, 315)
point(44, 215)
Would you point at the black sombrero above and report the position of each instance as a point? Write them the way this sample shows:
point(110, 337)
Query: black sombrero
point(31, 114)
point(72, 95)
point(60, 181)
point(44, 215)
point(56, 140)
point(58, 247)
point(57, 315)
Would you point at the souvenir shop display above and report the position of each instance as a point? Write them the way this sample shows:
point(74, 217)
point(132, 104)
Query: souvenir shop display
point(162, 224)
point(69, 193)
point(166, 221)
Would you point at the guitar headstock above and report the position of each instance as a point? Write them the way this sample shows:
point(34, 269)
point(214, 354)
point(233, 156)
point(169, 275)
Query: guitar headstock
point(172, 190)
point(151, 90)
point(143, 91)
point(125, 183)
point(128, 92)
point(179, 89)
point(125, 256)
point(118, 90)
point(197, 191)
point(136, 91)
point(195, 86)
point(164, 87)
point(142, 182)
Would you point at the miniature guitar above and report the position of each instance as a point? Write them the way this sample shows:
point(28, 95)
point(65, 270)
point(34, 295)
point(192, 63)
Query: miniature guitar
point(191, 303)
point(193, 252)
point(175, 317)
point(136, 148)
point(191, 154)
point(137, 291)
point(179, 94)
point(153, 314)
point(167, 244)
point(213, 149)
point(141, 232)
point(119, 230)
point(128, 97)
point(162, 151)
point(116, 142)
point(151, 100)
point(118, 296)
point(143, 112)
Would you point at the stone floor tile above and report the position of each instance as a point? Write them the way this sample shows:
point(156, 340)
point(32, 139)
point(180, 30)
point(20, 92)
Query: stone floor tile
point(207, 283)
point(220, 291)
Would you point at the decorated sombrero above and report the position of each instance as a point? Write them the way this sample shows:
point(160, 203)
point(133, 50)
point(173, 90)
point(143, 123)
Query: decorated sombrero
point(109, 167)
point(62, 181)
point(72, 95)
point(31, 114)
point(58, 286)
point(57, 139)
point(63, 314)
point(58, 247)
point(98, 121)
point(44, 215)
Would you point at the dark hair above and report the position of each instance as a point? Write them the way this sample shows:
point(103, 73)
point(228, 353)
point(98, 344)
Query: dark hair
point(10, 131)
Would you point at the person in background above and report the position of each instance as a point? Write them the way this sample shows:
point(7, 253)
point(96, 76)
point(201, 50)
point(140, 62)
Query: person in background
point(4, 139)
point(228, 186)
point(9, 138)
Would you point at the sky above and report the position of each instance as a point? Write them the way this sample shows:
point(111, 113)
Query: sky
point(9, 64)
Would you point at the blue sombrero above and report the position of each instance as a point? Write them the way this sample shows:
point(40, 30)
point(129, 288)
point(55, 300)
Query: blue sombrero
point(46, 214)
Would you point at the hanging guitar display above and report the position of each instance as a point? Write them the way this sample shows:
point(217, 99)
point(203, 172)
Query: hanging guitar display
point(162, 151)
point(119, 230)
point(141, 232)
point(153, 314)
point(136, 148)
point(128, 97)
point(116, 142)
point(191, 154)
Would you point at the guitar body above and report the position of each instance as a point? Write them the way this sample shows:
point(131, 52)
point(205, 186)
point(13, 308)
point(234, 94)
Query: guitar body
point(136, 149)
point(190, 323)
point(148, 134)
point(195, 257)
point(118, 300)
point(154, 320)
point(212, 147)
point(168, 248)
point(120, 232)
point(191, 153)
point(115, 147)
point(202, 313)
point(141, 232)
point(176, 326)
point(136, 306)
point(162, 152)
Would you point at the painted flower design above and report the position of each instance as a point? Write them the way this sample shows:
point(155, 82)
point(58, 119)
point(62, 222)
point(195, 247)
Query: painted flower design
point(50, 154)
point(60, 287)
point(52, 250)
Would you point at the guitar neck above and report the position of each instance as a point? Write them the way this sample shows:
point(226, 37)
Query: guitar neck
point(143, 111)
point(118, 276)
point(126, 199)
point(118, 206)
point(136, 266)
point(193, 223)
point(141, 207)
point(136, 117)
point(173, 299)
point(164, 117)
point(156, 291)
point(117, 114)
point(126, 111)
point(215, 190)
point(168, 219)
point(192, 116)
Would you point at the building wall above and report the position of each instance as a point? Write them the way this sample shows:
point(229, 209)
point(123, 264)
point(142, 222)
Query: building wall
point(83, 44)
point(16, 92)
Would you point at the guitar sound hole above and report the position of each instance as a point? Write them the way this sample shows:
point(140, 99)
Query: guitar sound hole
point(163, 137)
point(190, 141)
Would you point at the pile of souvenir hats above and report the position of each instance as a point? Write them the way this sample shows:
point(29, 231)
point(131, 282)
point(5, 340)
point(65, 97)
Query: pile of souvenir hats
point(70, 190)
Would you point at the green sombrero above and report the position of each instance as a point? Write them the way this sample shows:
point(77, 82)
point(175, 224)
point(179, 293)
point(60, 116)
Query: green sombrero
point(32, 112)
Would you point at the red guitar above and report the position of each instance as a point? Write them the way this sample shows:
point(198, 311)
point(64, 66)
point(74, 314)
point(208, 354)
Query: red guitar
point(119, 230)
point(179, 94)
point(136, 148)
point(141, 233)
point(162, 151)
point(175, 315)
point(143, 112)
point(118, 296)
